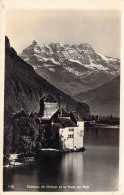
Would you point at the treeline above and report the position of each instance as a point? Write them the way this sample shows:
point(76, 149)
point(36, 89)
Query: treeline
point(110, 120)
point(21, 134)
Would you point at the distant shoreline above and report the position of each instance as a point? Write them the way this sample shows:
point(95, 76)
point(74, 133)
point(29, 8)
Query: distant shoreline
point(104, 126)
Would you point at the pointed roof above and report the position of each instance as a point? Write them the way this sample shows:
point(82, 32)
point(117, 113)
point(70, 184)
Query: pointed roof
point(49, 98)
point(63, 113)
point(67, 122)
point(60, 113)
point(75, 116)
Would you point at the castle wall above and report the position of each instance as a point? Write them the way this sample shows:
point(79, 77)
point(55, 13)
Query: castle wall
point(79, 135)
point(67, 138)
point(72, 137)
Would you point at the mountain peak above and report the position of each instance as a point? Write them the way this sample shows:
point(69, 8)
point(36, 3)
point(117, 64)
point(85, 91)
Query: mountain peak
point(87, 45)
point(8, 47)
point(34, 43)
point(7, 42)
point(56, 44)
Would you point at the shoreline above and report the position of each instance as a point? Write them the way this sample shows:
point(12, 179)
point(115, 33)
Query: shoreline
point(32, 160)
point(103, 126)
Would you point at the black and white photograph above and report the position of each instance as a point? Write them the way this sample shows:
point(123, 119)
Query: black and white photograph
point(62, 99)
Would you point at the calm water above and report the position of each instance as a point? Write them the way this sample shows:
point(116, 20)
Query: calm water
point(96, 169)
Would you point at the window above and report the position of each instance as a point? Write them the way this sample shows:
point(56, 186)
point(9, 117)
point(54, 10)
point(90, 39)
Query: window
point(70, 136)
point(71, 129)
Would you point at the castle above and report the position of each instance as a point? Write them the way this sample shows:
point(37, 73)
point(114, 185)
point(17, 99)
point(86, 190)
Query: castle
point(59, 125)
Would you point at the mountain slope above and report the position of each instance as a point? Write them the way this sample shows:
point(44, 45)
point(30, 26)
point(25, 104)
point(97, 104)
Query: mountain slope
point(24, 87)
point(104, 100)
point(68, 67)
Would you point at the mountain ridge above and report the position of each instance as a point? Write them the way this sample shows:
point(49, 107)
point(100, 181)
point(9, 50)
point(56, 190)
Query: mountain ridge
point(78, 64)
point(104, 100)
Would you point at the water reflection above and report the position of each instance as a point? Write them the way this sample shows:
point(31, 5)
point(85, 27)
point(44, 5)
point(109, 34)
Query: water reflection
point(97, 167)
point(72, 168)
point(101, 136)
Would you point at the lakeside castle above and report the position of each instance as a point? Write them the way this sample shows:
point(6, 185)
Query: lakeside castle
point(60, 125)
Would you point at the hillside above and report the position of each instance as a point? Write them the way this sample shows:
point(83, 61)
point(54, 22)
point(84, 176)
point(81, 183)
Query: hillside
point(73, 68)
point(24, 87)
point(104, 100)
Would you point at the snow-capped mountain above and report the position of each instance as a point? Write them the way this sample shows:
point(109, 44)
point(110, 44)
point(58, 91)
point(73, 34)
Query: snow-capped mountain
point(70, 67)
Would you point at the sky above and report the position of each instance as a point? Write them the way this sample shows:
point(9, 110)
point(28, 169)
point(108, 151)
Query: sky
point(100, 28)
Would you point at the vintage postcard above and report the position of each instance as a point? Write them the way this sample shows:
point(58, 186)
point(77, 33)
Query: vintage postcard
point(62, 70)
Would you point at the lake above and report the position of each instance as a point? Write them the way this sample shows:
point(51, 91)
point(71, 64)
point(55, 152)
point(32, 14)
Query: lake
point(96, 169)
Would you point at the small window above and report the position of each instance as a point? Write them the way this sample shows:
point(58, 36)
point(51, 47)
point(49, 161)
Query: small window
point(70, 136)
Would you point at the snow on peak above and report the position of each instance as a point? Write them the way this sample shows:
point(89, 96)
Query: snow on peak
point(76, 61)
point(104, 57)
point(93, 66)
point(56, 43)
point(52, 69)
point(37, 50)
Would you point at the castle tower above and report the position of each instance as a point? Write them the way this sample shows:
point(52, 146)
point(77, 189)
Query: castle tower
point(48, 106)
